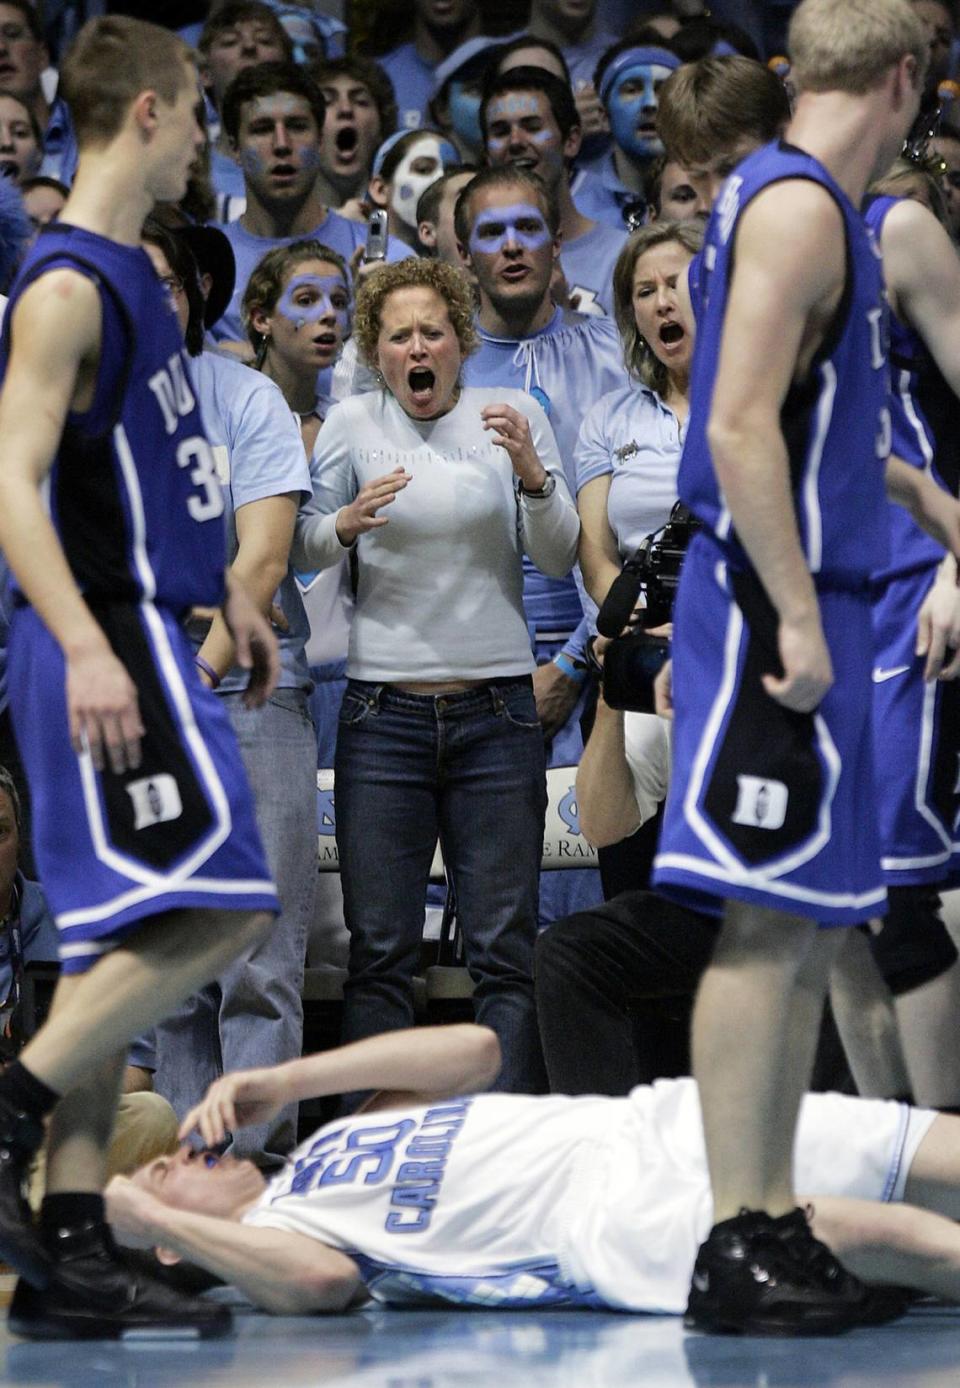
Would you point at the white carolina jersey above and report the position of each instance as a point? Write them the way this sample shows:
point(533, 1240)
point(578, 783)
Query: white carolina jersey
point(503, 1200)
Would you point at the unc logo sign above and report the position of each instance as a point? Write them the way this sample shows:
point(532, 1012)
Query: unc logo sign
point(569, 812)
point(761, 804)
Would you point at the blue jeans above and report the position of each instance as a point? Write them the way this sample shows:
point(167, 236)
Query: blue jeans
point(253, 1014)
point(470, 769)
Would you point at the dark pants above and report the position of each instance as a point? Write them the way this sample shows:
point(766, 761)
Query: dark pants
point(469, 768)
point(615, 988)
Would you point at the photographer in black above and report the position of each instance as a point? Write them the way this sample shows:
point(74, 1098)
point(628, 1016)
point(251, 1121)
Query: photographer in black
point(615, 984)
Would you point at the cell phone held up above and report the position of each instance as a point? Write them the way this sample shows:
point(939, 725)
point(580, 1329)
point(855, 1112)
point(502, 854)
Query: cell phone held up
point(376, 247)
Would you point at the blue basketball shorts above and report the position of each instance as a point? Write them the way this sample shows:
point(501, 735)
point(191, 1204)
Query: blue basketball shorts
point(767, 805)
point(917, 736)
point(177, 832)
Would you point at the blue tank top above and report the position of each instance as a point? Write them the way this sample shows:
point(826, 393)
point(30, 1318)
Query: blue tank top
point(134, 494)
point(835, 422)
point(925, 420)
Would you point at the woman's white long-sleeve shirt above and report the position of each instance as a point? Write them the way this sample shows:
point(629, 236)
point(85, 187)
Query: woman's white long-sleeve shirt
point(440, 586)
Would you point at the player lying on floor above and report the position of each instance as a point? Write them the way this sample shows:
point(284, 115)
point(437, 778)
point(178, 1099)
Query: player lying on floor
point(433, 1192)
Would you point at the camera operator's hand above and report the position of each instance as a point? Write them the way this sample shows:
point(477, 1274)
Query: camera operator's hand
point(938, 625)
point(663, 691)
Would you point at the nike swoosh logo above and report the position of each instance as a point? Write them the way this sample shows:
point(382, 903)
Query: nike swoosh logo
point(881, 676)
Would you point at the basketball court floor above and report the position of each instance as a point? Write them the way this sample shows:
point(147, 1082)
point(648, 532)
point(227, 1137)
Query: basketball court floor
point(491, 1349)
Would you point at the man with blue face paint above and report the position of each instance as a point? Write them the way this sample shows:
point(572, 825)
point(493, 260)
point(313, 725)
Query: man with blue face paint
point(458, 91)
point(530, 122)
point(628, 79)
point(507, 222)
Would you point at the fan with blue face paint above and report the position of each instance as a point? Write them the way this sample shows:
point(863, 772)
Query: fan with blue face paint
point(630, 90)
point(309, 298)
point(521, 224)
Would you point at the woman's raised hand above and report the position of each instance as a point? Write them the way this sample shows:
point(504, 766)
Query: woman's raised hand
point(511, 431)
point(361, 515)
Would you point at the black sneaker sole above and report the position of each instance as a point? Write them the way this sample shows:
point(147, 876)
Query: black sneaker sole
point(767, 1325)
point(67, 1327)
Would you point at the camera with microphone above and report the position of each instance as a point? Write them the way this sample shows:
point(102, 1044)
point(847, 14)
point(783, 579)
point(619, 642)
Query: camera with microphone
point(633, 659)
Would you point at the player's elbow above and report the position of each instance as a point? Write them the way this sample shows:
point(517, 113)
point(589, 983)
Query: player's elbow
point(308, 1291)
point(726, 437)
point(481, 1054)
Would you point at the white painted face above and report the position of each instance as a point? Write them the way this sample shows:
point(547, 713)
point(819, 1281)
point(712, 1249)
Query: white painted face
point(420, 166)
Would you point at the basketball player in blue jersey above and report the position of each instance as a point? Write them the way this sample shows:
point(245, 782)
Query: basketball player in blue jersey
point(771, 804)
point(917, 714)
point(111, 519)
point(434, 1194)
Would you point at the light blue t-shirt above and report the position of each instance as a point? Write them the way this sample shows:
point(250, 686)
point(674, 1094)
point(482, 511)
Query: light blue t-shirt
point(259, 453)
point(637, 439)
point(599, 193)
point(567, 366)
point(412, 80)
point(226, 179)
point(588, 267)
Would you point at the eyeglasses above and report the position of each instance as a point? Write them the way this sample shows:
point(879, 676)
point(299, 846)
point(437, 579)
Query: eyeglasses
point(210, 1159)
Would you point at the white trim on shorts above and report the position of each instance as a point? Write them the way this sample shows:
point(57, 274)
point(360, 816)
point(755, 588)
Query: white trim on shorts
point(726, 857)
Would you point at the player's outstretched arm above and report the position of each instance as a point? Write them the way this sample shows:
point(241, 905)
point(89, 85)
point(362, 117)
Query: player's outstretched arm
point(404, 1067)
point(286, 1273)
point(896, 1245)
point(55, 344)
point(788, 276)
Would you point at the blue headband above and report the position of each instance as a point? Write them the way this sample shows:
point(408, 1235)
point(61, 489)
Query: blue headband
point(641, 56)
point(448, 153)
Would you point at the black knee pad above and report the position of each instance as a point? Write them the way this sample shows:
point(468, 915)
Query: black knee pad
point(914, 946)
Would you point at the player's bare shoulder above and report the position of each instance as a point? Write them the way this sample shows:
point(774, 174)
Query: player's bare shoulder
point(55, 333)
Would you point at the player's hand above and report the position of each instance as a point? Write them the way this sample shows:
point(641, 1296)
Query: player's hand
point(555, 694)
point(807, 669)
point(361, 515)
point(663, 690)
point(236, 1101)
point(130, 1211)
point(256, 646)
point(938, 625)
point(103, 710)
point(511, 432)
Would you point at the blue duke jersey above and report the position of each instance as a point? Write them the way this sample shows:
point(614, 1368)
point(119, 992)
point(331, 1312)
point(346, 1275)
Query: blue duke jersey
point(133, 492)
point(925, 426)
point(838, 440)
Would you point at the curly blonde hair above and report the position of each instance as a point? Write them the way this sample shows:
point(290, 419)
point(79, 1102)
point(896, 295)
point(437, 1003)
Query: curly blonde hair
point(413, 273)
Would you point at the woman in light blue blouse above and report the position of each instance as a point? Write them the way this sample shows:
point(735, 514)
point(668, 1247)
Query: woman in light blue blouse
point(628, 451)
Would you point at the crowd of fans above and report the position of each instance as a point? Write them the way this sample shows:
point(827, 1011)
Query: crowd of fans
point(436, 456)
